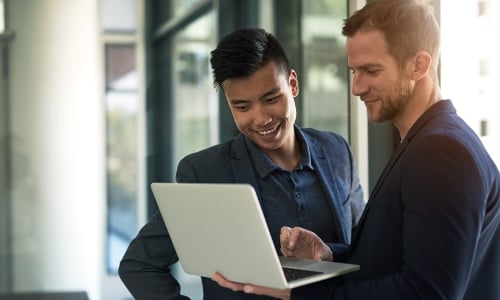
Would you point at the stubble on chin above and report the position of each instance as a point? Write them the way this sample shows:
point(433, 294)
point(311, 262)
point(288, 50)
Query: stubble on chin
point(376, 115)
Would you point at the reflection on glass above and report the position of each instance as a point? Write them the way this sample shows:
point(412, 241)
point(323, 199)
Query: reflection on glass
point(181, 6)
point(195, 99)
point(325, 76)
point(121, 120)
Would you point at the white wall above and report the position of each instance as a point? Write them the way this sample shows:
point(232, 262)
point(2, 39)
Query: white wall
point(57, 122)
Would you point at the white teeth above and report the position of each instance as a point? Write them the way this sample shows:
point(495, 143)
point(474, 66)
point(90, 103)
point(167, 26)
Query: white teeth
point(267, 132)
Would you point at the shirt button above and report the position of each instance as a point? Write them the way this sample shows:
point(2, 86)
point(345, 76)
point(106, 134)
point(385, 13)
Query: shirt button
point(302, 210)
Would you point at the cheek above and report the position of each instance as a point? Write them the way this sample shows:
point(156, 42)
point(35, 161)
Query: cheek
point(291, 111)
point(241, 119)
point(385, 86)
point(407, 87)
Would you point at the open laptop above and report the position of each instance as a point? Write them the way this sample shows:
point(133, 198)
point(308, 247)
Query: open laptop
point(221, 228)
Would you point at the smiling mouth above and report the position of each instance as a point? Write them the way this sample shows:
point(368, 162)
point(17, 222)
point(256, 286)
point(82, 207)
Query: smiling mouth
point(269, 131)
point(365, 100)
point(368, 100)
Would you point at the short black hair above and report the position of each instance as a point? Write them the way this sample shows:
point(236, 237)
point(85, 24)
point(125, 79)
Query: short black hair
point(243, 52)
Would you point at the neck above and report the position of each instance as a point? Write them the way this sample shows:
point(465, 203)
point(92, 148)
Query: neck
point(426, 93)
point(287, 157)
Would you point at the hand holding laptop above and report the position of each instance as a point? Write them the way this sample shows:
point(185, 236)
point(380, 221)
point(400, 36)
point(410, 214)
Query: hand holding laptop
point(228, 220)
point(295, 242)
point(284, 294)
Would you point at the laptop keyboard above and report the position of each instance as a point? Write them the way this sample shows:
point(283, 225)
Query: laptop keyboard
point(292, 274)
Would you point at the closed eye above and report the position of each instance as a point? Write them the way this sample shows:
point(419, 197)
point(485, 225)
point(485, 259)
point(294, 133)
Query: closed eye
point(373, 72)
point(272, 99)
point(240, 105)
point(369, 70)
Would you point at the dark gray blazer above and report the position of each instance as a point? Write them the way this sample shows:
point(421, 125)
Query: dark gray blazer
point(430, 229)
point(145, 267)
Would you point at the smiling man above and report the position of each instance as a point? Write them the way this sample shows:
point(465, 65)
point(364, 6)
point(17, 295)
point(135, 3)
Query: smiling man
point(303, 177)
point(431, 228)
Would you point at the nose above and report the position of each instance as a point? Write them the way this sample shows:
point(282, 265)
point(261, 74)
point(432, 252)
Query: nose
point(262, 117)
point(358, 85)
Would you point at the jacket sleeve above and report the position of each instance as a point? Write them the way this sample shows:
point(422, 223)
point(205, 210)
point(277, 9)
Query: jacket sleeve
point(145, 267)
point(356, 196)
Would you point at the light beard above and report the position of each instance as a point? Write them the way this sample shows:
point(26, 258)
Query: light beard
point(394, 103)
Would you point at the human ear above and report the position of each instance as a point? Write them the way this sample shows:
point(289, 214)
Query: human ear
point(293, 81)
point(422, 64)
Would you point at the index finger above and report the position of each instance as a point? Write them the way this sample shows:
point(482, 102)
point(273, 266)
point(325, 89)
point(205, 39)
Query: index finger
point(285, 233)
point(288, 240)
point(285, 241)
point(294, 235)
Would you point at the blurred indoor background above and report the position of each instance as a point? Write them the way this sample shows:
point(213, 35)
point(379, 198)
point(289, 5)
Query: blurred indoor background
point(99, 98)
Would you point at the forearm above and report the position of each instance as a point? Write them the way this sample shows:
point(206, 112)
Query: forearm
point(149, 283)
point(145, 267)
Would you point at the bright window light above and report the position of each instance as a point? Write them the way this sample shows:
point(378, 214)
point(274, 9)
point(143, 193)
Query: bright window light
point(2, 19)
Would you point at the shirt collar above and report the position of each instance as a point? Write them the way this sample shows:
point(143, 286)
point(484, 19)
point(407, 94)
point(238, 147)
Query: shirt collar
point(264, 165)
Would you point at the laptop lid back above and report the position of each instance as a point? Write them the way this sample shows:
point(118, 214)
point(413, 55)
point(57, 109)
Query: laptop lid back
point(205, 221)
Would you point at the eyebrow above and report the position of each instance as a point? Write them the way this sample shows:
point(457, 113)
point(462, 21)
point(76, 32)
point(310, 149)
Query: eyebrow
point(271, 92)
point(367, 66)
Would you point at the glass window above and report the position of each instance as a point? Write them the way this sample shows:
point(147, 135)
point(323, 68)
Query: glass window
point(122, 107)
point(181, 6)
point(194, 97)
point(2, 17)
point(195, 105)
point(122, 142)
point(118, 15)
point(325, 81)
point(468, 31)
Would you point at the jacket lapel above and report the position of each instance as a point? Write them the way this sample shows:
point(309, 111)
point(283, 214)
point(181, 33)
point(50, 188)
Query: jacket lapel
point(322, 163)
point(376, 188)
point(444, 106)
point(241, 163)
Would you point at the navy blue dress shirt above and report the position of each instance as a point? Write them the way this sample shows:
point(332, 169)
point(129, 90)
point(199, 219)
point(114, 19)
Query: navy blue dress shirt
point(293, 198)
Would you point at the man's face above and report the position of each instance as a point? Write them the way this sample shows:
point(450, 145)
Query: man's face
point(377, 78)
point(263, 106)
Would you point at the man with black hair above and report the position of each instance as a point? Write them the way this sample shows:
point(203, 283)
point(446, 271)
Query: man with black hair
point(303, 177)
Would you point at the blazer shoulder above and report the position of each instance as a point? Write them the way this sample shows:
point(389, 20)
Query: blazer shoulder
point(213, 164)
point(324, 136)
point(212, 153)
point(330, 142)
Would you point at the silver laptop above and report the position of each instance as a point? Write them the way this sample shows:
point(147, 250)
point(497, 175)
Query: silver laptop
point(221, 228)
